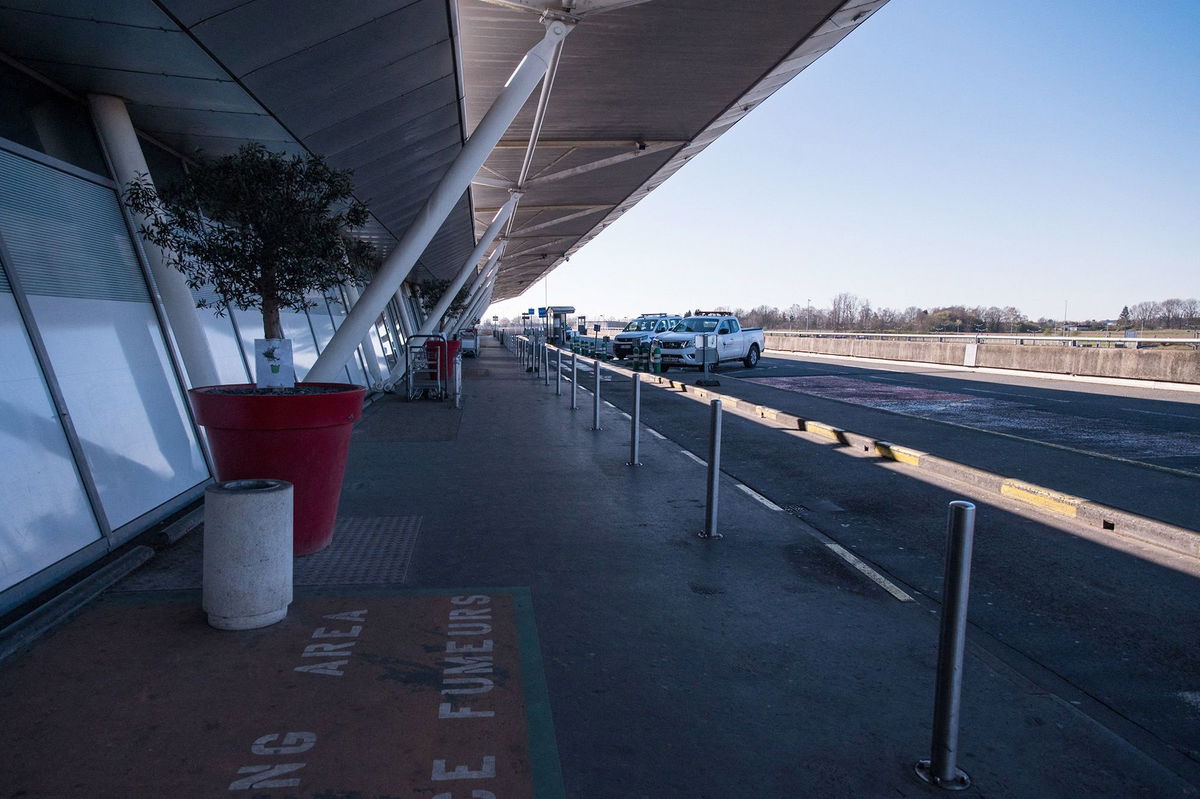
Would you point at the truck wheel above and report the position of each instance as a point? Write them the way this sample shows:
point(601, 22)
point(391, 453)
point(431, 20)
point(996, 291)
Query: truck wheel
point(751, 359)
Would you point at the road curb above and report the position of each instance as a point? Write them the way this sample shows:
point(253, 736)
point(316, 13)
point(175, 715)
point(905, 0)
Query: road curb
point(1096, 515)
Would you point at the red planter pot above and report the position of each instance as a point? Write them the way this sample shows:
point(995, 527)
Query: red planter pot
point(301, 438)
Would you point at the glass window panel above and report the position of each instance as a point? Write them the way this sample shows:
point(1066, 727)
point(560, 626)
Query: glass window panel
point(222, 339)
point(46, 512)
point(68, 242)
point(128, 412)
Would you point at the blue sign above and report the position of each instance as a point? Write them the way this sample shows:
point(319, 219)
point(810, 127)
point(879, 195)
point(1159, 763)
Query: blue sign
point(531, 312)
point(541, 313)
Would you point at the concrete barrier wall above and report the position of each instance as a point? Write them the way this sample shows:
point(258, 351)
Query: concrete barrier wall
point(1175, 366)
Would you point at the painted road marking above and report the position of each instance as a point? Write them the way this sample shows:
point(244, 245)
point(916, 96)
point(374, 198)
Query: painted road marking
point(656, 434)
point(757, 497)
point(1161, 413)
point(693, 457)
point(871, 574)
point(1011, 394)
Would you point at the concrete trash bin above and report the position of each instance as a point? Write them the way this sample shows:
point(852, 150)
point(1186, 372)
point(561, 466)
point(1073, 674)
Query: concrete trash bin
point(247, 579)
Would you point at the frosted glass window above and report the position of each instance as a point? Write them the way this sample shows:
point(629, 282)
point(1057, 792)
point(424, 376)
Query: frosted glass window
point(128, 412)
point(69, 244)
point(222, 340)
point(46, 512)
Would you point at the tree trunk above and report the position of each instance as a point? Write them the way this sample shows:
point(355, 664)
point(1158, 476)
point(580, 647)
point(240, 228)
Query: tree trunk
point(272, 327)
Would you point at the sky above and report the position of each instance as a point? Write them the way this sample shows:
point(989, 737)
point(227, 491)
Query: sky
point(1025, 153)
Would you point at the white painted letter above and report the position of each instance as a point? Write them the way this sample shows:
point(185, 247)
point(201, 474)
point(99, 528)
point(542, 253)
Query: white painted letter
point(471, 613)
point(470, 665)
point(327, 650)
point(454, 647)
point(470, 628)
point(322, 632)
point(259, 774)
point(484, 684)
point(462, 772)
point(473, 599)
point(293, 743)
point(330, 668)
point(445, 711)
point(349, 615)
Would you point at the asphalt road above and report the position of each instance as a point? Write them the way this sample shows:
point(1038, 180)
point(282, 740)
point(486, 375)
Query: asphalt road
point(1152, 426)
point(1111, 627)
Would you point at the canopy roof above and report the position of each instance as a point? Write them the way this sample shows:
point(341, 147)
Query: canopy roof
point(392, 88)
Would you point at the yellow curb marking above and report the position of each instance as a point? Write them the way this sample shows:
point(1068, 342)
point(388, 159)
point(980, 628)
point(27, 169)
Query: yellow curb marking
point(1063, 504)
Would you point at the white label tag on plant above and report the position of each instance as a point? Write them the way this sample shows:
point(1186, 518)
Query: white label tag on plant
point(273, 366)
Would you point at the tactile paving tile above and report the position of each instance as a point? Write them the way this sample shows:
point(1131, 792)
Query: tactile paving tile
point(365, 550)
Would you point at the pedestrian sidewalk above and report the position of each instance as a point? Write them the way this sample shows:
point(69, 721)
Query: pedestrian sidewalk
point(510, 608)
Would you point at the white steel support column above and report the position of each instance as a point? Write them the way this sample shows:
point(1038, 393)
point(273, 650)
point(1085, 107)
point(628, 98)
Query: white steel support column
point(489, 269)
point(472, 310)
point(498, 221)
point(457, 179)
point(408, 325)
point(368, 347)
point(127, 162)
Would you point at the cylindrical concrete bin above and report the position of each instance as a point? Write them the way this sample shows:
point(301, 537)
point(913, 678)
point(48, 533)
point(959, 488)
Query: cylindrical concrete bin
point(247, 553)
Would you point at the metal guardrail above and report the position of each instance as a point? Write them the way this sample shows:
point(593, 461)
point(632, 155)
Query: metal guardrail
point(1028, 339)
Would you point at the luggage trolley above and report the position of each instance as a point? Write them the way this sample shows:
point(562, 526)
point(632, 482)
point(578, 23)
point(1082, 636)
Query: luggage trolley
point(432, 367)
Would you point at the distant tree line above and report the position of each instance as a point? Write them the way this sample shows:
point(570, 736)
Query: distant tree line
point(849, 312)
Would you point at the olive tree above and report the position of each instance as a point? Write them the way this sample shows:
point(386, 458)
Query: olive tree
point(262, 229)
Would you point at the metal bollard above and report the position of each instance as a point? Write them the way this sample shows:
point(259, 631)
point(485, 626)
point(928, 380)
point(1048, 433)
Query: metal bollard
point(558, 373)
point(596, 398)
point(545, 364)
point(714, 473)
point(942, 767)
point(574, 381)
point(635, 423)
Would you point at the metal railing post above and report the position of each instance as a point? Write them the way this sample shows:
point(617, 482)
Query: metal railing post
point(574, 381)
point(635, 423)
point(714, 473)
point(545, 364)
point(596, 398)
point(558, 373)
point(942, 767)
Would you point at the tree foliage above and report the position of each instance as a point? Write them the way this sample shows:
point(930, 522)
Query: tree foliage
point(431, 290)
point(262, 229)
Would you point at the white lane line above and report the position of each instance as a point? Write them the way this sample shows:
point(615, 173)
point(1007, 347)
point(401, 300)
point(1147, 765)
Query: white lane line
point(1160, 413)
point(757, 496)
point(656, 434)
point(871, 574)
point(693, 457)
point(1011, 394)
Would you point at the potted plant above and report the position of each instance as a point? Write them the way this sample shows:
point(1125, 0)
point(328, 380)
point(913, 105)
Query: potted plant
point(264, 230)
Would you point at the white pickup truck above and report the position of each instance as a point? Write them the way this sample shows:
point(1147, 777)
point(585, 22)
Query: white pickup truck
point(734, 343)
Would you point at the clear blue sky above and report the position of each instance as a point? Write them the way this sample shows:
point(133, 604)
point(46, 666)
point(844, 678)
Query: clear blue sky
point(985, 153)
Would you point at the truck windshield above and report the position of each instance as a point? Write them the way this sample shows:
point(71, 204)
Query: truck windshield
point(641, 325)
point(697, 324)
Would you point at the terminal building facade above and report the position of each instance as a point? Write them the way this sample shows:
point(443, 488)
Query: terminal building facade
point(97, 441)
